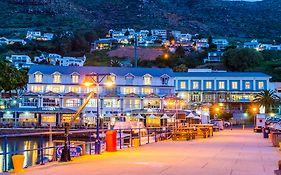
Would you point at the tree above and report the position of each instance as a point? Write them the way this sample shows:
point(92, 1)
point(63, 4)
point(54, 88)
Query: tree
point(267, 99)
point(180, 68)
point(180, 52)
point(127, 33)
point(241, 59)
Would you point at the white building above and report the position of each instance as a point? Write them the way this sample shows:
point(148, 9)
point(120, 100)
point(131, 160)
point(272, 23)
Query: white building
point(221, 43)
point(37, 35)
point(269, 47)
point(254, 44)
point(162, 34)
point(20, 61)
point(56, 59)
point(32, 34)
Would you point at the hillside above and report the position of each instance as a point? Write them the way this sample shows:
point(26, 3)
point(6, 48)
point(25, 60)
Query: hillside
point(217, 17)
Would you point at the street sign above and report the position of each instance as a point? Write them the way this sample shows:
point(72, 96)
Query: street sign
point(75, 151)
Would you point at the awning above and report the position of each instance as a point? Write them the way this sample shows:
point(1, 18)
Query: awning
point(42, 110)
point(139, 116)
point(165, 116)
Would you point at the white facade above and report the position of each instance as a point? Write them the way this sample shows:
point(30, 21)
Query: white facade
point(20, 61)
point(56, 59)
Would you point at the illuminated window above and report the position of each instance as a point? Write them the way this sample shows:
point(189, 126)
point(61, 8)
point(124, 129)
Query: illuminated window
point(247, 85)
point(36, 88)
point(234, 85)
point(38, 78)
point(147, 90)
point(74, 89)
point(75, 78)
point(208, 85)
point(129, 79)
point(195, 85)
point(111, 79)
point(111, 103)
point(57, 78)
point(182, 84)
point(72, 102)
point(261, 85)
point(132, 104)
point(165, 80)
point(221, 85)
point(147, 80)
point(129, 90)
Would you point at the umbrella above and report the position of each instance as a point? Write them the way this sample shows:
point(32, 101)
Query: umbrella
point(152, 116)
point(197, 117)
point(174, 116)
point(139, 116)
point(165, 116)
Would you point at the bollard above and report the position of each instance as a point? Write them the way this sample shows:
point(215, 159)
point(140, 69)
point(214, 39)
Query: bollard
point(17, 163)
point(269, 136)
point(136, 142)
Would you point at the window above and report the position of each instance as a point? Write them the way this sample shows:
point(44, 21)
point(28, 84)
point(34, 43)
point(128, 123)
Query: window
point(221, 85)
point(261, 85)
point(147, 90)
point(74, 89)
point(72, 102)
point(147, 80)
point(51, 102)
point(129, 79)
point(195, 85)
point(183, 85)
point(30, 101)
point(234, 85)
point(165, 80)
point(38, 78)
point(208, 85)
point(111, 79)
point(55, 88)
point(132, 104)
point(56, 78)
point(111, 103)
point(92, 103)
point(75, 78)
point(36, 88)
point(247, 85)
point(129, 90)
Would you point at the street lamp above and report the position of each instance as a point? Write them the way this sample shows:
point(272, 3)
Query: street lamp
point(97, 79)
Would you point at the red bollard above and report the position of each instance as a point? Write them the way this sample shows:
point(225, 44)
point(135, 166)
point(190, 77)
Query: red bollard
point(111, 141)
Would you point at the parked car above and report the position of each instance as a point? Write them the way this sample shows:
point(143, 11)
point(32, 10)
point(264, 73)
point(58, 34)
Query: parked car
point(226, 124)
point(218, 124)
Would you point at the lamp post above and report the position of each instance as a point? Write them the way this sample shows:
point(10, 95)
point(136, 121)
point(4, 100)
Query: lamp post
point(97, 80)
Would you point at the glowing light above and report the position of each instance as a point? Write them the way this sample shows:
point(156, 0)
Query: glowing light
point(88, 84)
point(220, 104)
point(166, 56)
point(217, 109)
point(271, 114)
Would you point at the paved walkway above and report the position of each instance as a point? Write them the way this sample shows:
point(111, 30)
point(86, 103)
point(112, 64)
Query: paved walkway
point(233, 152)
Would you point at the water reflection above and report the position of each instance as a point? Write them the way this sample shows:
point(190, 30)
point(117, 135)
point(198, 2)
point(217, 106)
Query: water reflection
point(26, 143)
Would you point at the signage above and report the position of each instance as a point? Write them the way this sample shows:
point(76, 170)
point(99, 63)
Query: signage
point(75, 151)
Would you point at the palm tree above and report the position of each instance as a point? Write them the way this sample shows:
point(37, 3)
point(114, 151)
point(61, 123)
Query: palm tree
point(267, 98)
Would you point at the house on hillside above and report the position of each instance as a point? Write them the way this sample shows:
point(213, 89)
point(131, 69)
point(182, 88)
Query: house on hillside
point(37, 35)
point(221, 43)
point(102, 44)
point(269, 47)
point(56, 59)
point(214, 57)
point(4, 40)
point(20, 61)
point(254, 44)
point(160, 33)
point(7, 41)
point(185, 37)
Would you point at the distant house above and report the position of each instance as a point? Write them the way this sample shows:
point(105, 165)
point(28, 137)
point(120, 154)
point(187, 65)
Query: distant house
point(56, 59)
point(184, 37)
point(32, 34)
point(4, 40)
point(187, 44)
point(221, 43)
point(254, 44)
point(201, 45)
point(214, 57)
point(176, 34)
point(269, 47)
point(20, 61)
point(160, 33)
point(7, 41)
point(37, 35)
point(102, 44)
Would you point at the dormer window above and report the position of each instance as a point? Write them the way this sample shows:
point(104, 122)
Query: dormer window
point(56, 78)
point(147, 80)
point(111, 78)
point(129, 78)
point(75, 78)
point(38, 77)
point(165, 80)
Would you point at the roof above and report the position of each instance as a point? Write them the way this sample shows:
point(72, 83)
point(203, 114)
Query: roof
point(42, 110)
point(119, 71)
point(221, 74)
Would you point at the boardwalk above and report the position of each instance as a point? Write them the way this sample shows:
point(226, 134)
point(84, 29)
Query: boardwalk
point(233, 152)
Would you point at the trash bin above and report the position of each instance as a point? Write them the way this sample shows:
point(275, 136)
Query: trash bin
point(111, 141)
point(276, 138)
point(266, 131)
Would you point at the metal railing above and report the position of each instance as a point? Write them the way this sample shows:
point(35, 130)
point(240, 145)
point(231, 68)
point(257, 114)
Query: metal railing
point(83, 139)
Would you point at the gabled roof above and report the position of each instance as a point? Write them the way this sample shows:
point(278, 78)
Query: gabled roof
point(119, 71)
point(221, 74)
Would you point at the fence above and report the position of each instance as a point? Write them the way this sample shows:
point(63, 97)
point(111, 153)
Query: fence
point(44, 148)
